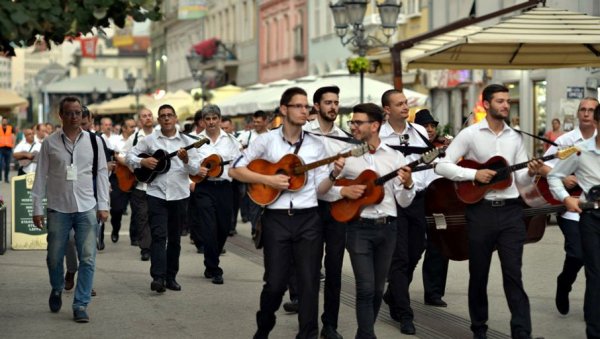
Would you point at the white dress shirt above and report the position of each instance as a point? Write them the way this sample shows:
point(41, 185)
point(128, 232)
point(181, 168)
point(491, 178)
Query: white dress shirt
point(568, 139)
point(272, 146)
point(585, 166)
point(226, 146)
point(24, 146)
point(383, 161)
point(390, 137)
point(69, 196)
point(479, 143)
point(174, 184)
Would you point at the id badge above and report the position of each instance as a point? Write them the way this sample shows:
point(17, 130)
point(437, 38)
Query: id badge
point(72, 172)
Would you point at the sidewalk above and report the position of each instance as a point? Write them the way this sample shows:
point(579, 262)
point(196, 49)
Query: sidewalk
point(126, 308)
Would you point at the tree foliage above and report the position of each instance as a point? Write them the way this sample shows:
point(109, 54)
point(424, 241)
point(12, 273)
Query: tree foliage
point(22, 22)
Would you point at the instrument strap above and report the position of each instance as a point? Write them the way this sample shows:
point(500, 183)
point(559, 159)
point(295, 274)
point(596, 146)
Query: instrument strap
point(535, 136)
point(408, 150)
point(426, 140)
point(349, 140)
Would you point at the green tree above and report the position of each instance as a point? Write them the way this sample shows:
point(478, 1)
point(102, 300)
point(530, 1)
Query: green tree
point(22, 22)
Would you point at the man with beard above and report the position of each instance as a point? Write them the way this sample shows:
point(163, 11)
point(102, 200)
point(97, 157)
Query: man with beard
point(496, 221)
point(326, 103)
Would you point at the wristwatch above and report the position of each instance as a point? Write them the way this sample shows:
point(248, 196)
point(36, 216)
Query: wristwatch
point(332, 177)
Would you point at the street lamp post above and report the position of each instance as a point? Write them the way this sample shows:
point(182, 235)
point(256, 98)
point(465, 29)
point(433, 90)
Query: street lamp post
point(130, 80)
point(195, 63)
point(350, 13)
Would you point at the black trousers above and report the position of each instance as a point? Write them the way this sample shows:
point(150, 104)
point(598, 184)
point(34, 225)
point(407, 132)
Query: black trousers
point(334, 237)
point(500, 228)
point(165, 227)
point(296, 237)
point(210, 220)
point(573, 251)
point(139, 219)
point(236, 194)
point(118, 204)
point(590, 240)
point(410, 243)
point(435, 272)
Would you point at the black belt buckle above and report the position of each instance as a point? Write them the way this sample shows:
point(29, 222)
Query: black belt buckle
point(498, 203)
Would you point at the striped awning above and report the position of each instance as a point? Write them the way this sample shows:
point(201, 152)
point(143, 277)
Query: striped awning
point(540, 38)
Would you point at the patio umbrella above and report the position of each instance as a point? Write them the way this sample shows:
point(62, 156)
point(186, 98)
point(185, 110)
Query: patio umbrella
point(543, 37)
point(121, 105)
point(10, 99)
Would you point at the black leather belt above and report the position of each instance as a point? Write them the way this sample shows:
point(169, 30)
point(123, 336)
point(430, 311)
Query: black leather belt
point(293, 211)
point(500, 203)
point(217, 182)
point(377, 221)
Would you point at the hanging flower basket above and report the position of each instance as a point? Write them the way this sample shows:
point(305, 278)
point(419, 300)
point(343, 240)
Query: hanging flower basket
point(357, 65)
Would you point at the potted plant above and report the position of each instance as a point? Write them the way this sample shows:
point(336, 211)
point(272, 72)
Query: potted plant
point(358, 64)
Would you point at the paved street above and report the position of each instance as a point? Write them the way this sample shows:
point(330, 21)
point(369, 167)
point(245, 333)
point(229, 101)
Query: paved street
point(126, 308)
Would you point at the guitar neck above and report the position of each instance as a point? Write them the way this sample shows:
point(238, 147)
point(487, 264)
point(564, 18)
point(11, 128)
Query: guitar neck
point(304, 168)
point(517, 167)
point(187, 148)
point(383, 179)
point(528, 212)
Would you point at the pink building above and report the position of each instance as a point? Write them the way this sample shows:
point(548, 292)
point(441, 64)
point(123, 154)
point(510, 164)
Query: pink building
point(283, 42)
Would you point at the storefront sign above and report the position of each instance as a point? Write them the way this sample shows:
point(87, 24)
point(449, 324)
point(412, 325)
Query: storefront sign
point(575, 92)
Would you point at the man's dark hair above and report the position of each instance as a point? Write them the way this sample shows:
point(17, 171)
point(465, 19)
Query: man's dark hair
point(226, 119)
point(85, 112)
point(260, 114)
point(322, 90)
point(385, 97)
point(490, 90)
point(168, 107)
point(69, 98)
point(374, 112)
point(197, 116)
point(597, 114)
point(289, 93)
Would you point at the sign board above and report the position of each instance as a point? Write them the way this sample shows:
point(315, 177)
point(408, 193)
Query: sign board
point(25, 236)
point(575, 92)
point(191, 9)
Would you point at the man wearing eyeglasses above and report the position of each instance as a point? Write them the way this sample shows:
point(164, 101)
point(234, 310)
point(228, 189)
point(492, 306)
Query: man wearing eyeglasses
point(371, 239)
point(291, 226)
point(410, 242)
point(65, 176)
point(568, 222)
point(326, 103)
point(167, 196)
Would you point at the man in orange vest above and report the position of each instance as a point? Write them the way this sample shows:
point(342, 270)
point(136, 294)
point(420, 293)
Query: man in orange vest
point(7, 142)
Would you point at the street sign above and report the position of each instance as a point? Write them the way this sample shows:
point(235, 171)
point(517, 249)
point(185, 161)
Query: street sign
point(25, 236)
point(575, 92)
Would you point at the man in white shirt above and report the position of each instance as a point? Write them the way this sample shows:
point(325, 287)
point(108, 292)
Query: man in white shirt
point(410, 242)
point(496, 221)
point(77, 199)
point(139, 205)
point(167, 196)
point(212, 199)
point(371, 239)
point(26, 151)
point(291, 227)
point(585, 166)
point(569, 221)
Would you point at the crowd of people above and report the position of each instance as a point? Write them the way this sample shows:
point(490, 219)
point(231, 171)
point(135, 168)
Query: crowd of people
point(77, 170)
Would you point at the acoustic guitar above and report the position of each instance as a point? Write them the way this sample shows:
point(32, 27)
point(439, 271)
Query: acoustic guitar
point(471, 192)
point(125, 178)
point(215, 164)
point(447, 224)
point(144, 174)
point(292, 166)
point(345, 209)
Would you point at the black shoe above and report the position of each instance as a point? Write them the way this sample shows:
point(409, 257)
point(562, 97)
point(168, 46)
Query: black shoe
point(329, 332)
point(562, 296)
point(55, 301)
point(291, 306)
point(145, 255)
point(522, 335)
point(387, 298)
point(114, 237)
point(208, 274)
point(173, 285)
point(437, 302)
point(407, 327)
point(480, 335)
point(100, 244)
point(80, 315)
point(157, 285)
point(217, 279)
point(69, 280)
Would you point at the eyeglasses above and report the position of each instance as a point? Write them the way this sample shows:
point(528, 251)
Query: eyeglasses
point(357, 123)
point(299, 106)
point(166, 116)
point(329, 102)
point(586, 110)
